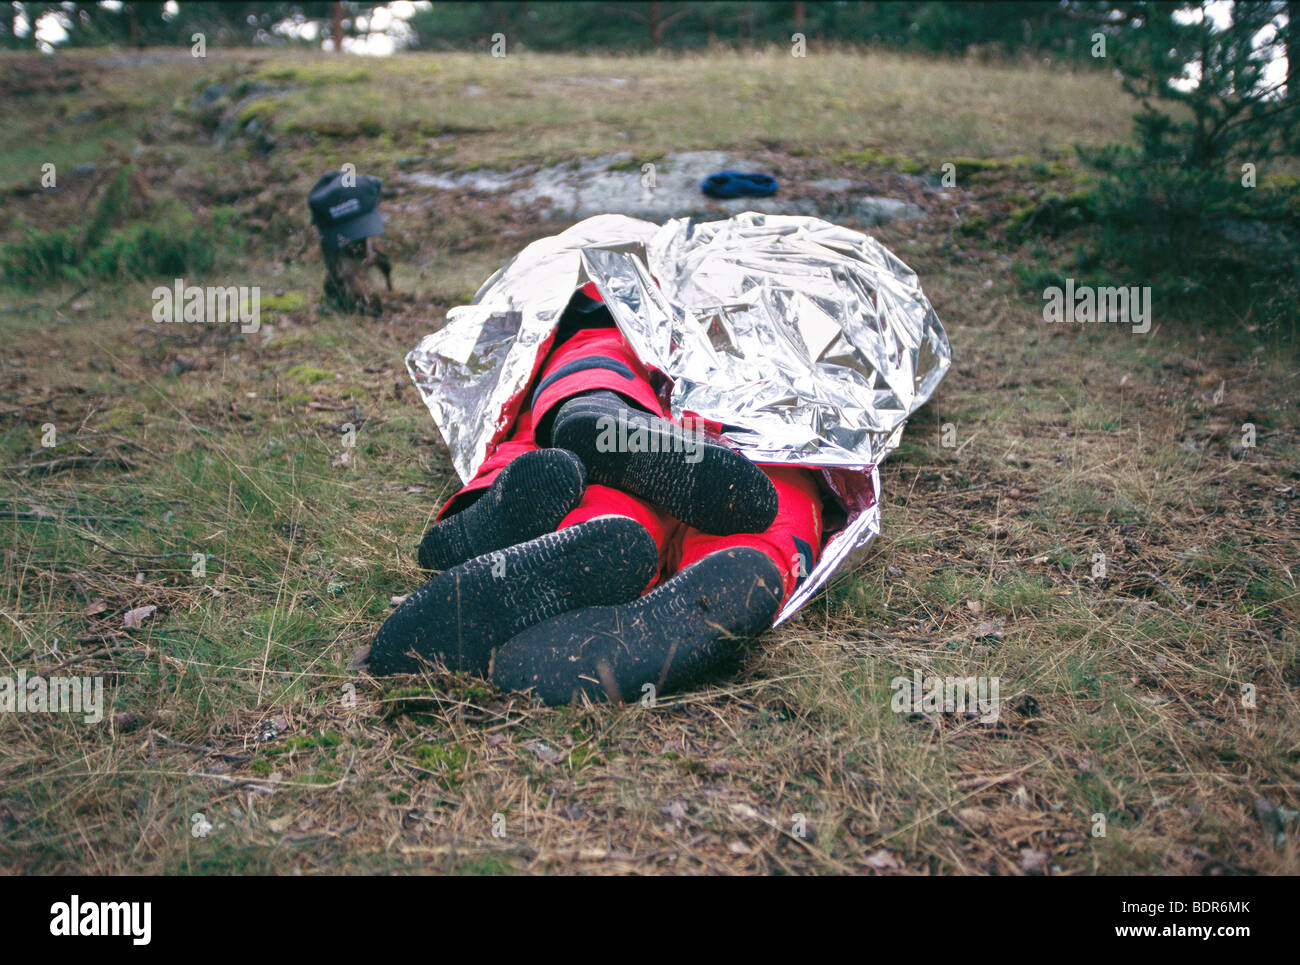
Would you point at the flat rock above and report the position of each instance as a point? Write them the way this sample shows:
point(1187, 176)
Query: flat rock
point(615, 184)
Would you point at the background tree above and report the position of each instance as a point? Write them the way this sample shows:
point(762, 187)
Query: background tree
point(1200, 201)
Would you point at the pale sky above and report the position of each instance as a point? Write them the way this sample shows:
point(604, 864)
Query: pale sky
point(388, 32)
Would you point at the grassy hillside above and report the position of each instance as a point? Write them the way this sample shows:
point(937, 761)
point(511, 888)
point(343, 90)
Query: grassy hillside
point(236, 701)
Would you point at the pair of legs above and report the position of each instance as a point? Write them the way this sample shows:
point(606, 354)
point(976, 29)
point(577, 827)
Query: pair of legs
point(595, 497)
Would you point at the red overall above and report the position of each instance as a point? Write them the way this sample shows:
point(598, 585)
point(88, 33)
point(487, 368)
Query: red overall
point(600, 358)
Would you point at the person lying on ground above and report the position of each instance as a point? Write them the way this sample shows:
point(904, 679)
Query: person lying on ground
point(604, 546)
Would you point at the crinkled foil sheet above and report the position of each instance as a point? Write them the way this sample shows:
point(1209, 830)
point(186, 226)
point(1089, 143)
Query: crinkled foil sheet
point(810, 343)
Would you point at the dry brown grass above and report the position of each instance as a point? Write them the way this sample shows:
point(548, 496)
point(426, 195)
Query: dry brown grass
point(1121, 696)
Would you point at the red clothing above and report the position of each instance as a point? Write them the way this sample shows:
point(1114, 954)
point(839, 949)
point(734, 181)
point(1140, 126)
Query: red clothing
point(600, 358)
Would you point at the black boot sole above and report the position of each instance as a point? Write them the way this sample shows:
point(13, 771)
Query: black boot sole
point(528, 498)
point(701, 483)
point(680, 635)
point(461, 616)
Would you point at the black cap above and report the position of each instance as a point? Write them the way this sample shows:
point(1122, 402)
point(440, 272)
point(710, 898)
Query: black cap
point(344, 213)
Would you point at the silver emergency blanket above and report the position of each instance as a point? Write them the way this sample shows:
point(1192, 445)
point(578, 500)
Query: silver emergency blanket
point(810, 343)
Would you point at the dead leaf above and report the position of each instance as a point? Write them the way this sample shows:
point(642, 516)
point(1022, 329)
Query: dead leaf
point(133, 619)
point(973, 818)
point(1032, 861)
point(544, 751)
point(96, 606)
point(882, 860)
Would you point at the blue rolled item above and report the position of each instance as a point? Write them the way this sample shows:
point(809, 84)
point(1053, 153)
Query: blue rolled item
point(738, 184)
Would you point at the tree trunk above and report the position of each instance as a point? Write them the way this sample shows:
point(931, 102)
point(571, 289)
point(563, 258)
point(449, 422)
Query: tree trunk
point(338, 26)
point(656, 26)
point(1291, 47)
